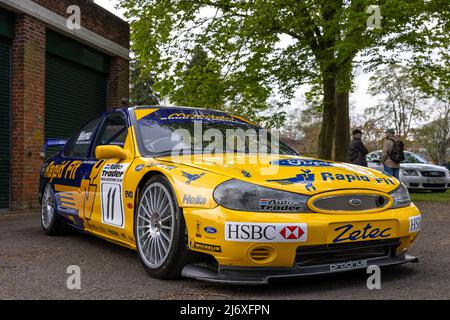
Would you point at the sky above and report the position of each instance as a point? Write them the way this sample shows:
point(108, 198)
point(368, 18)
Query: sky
point(359, 98)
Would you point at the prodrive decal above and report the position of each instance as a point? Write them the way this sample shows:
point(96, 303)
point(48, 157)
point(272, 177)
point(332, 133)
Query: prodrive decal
point(111, 194)
point(348, 265)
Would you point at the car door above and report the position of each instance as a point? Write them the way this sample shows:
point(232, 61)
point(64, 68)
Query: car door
point(68, 171)
point(108, 212)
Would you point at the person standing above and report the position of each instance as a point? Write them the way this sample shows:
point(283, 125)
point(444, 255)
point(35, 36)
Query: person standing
point(392, 154)
point(357, 150)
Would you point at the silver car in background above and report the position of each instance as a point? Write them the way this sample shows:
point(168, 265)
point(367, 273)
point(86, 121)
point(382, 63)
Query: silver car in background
point(415, 172)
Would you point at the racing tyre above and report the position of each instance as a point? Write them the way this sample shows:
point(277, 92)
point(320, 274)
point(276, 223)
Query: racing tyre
point(159, 230)
point(50, 222)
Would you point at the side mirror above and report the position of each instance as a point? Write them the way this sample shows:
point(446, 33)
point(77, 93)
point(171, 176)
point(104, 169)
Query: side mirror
point(110, 152)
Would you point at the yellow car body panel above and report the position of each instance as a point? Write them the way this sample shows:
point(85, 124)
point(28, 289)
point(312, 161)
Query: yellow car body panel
point(320, 231)
point(194, 179)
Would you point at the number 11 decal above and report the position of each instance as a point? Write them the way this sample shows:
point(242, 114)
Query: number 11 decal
point(112, 205)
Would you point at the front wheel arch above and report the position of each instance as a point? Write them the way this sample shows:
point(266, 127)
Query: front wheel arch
point(171, 268)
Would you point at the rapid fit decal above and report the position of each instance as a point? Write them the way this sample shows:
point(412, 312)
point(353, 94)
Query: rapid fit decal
point(307, 178)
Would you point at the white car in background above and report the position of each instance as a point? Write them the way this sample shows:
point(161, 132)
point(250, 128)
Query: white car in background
point(415, 172)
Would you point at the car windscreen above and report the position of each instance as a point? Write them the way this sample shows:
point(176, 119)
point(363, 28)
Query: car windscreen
point(166, 130)
point(413, 158)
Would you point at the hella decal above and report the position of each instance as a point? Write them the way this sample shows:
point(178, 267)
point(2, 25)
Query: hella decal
point(349, 233)
point(265, 232)
point(196, 200)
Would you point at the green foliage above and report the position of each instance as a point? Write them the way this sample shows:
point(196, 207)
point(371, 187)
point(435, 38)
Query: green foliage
point(242, 39)
point(142, 82)
point(200, 84)
point(431, 73)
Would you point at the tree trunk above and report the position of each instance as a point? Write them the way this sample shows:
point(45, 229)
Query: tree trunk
point(342, 131)
point(326, 137)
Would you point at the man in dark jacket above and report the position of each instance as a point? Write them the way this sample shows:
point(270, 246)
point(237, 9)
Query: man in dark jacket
point(358, 150)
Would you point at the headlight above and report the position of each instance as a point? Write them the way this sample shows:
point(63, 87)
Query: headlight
point(401, 197)
point(242, 196)
point(410, 172)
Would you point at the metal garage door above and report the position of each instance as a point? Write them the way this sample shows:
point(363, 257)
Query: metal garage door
point(73, 95)
point(5, 108)
point(75, 87)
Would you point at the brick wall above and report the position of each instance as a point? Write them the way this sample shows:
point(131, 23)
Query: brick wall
point(28, 89)
point(94, 18)
point(118, 81)
point(28, 103)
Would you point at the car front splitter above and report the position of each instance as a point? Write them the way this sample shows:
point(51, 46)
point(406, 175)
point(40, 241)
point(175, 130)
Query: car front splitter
point(262, 276)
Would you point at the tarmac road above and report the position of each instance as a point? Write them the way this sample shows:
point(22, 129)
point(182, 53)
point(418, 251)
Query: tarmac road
point(33, 266)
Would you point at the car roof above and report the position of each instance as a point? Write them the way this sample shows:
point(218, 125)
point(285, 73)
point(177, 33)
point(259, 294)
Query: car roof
point(171, 107)
point(140, 107)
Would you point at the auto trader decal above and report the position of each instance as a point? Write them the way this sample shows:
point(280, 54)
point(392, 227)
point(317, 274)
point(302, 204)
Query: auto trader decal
point(306, 177)
point(278, 205)
point(111, 182)
point(265, 232)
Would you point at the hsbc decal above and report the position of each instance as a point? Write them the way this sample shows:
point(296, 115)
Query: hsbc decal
point(265, 232)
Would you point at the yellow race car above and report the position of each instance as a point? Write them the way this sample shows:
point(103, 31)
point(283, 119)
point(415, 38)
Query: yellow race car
point(212, 196)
